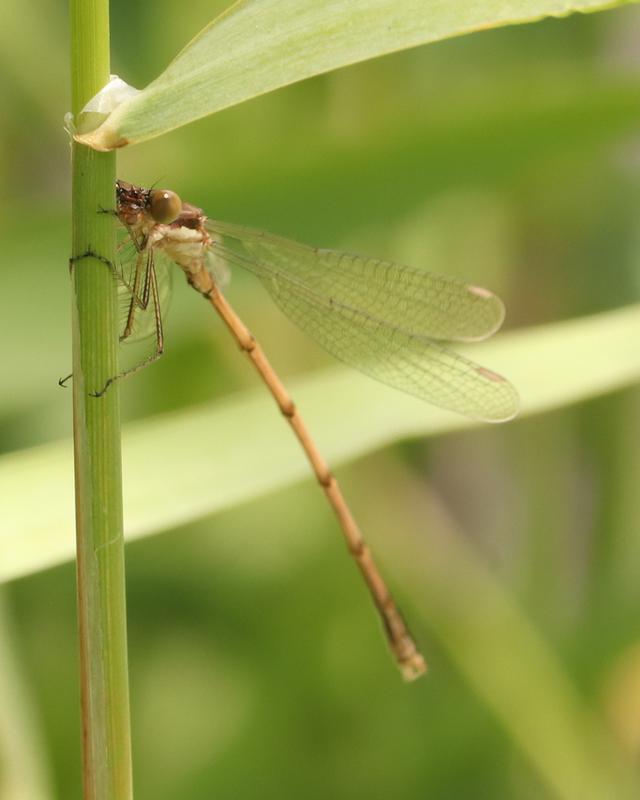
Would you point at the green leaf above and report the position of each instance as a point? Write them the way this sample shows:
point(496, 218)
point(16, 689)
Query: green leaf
point(184, 466)
point(257, 46)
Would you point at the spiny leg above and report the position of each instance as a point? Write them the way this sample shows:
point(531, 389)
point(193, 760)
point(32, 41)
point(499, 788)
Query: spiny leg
point(89, 253)
point(150, 290)
point(144, 263)
point(140, 245)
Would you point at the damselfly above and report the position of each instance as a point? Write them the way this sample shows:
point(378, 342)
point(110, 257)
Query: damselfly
point(387, 320)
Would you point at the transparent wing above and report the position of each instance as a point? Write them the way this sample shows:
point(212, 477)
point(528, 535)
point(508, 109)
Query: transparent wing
point(424, 303)
point(131, 260)
point(377, 345)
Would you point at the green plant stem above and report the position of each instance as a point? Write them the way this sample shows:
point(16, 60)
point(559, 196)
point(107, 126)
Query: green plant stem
point(96, 421)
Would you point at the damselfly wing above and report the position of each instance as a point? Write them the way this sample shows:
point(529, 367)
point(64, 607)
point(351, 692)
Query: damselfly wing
point(389, 321)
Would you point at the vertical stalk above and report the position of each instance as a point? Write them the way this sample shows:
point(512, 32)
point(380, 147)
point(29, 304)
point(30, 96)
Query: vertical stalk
point(96, 422)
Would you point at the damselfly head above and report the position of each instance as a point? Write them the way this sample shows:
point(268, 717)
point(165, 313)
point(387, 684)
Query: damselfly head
point(164, 206)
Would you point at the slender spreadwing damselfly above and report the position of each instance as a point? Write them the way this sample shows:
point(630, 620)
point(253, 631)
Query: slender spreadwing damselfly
point(388, 321)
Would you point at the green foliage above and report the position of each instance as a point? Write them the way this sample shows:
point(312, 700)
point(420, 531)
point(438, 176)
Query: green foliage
point(257, 46)
point(506, 158)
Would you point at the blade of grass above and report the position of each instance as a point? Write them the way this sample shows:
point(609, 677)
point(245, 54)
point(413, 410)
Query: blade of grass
point(257, 46)
point(96, 425)
point(245, 453)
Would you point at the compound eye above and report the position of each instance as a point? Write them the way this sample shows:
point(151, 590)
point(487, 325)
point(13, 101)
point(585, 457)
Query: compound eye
point(164, 205)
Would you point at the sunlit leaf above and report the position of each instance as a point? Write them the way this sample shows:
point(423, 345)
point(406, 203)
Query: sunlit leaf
point(183, 466)
point(260, 45)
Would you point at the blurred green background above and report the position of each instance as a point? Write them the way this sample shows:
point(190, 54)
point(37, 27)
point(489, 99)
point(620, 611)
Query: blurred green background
point(508, 157)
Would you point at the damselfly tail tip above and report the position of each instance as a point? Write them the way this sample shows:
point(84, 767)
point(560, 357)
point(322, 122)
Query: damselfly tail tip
point(413, 667)
point(409, 659)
